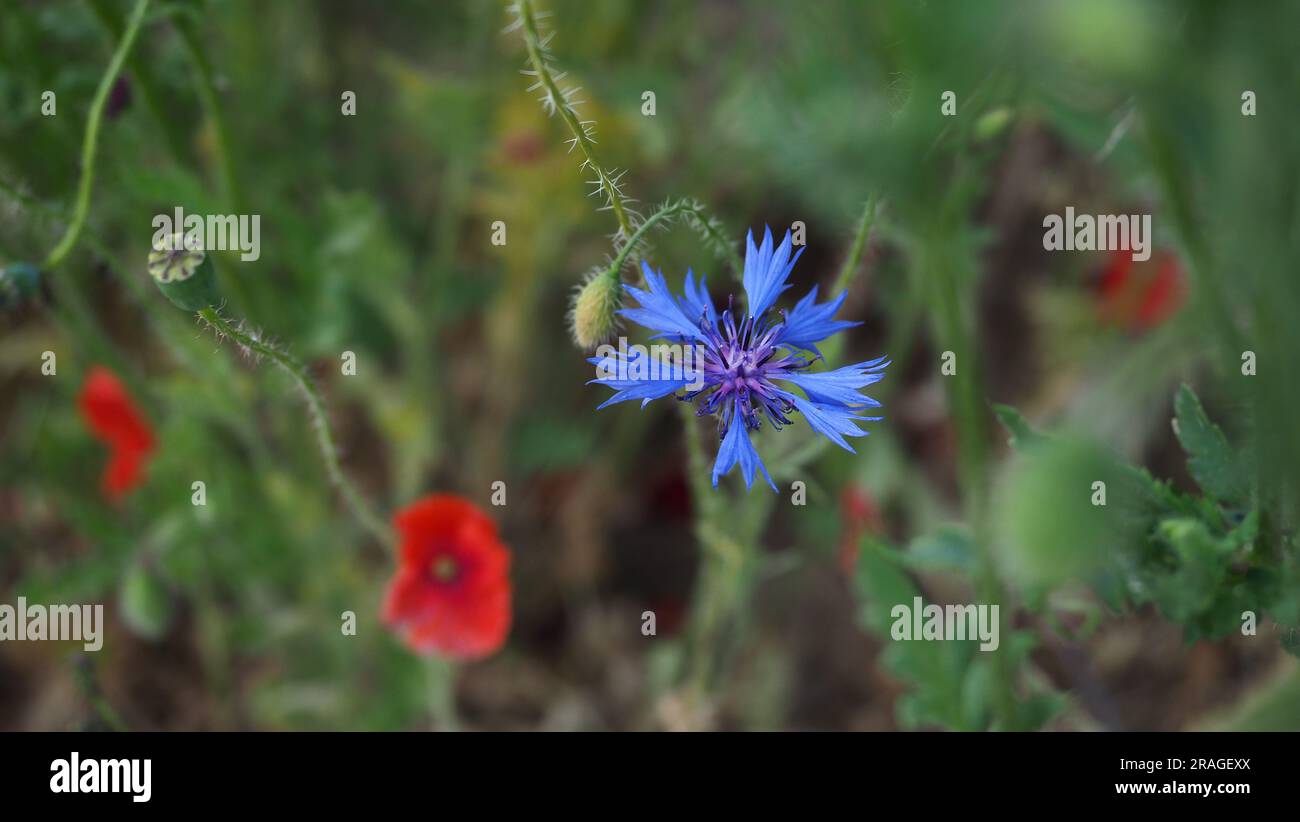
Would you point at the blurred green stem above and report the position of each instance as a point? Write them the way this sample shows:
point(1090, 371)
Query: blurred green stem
point(728, 561)
point(207, 88)
point(721, 592)
point(834, 347)
point(1172, 177)
point(145, 79)
point(442, 694)
point(89, 144)
point(316, 408)
point(946, 267)
point(859, 247)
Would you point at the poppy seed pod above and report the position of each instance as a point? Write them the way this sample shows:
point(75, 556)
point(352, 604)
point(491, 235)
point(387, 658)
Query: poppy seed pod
point(183, 274)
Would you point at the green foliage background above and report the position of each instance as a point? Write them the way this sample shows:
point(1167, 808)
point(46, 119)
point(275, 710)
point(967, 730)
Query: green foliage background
point(374, 239)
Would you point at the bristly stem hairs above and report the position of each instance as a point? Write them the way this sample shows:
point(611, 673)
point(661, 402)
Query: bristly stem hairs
point(557, 98)
point(593, 313)
point(252, 345)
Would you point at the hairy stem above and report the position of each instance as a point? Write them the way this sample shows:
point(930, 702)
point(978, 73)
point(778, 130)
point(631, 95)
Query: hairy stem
point(557, 100)
point(316, 407)
point(725, 578)
point(710, 230)
point(691, 211)
point(89, 144)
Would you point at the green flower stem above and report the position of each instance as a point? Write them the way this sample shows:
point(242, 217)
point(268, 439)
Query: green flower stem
point(138, 291)
point(727, 566)
point(442, 694)
point(88, 146)
point(717, 588)
point(150, 90)
point(946, 269)
point(1172, 178)
point(207, 88)
point(834, 347)
point(72, 314)
point(73, 311)
point(728, 562)
point(859, 247)
point(689, 210)
point(533, 43)
point(316, 407)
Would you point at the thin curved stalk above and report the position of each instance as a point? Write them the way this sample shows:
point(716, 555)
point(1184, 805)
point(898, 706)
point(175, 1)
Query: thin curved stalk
point(316, 408)
point(851, 263)
point(89, 144)
point(147, 81)
point(557, 99)
point(694, 213)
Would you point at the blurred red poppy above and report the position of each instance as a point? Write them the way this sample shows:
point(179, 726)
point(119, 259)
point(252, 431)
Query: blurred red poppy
point(1138, 296)
point(859, 515)
point(451, 595)
point(113, 418)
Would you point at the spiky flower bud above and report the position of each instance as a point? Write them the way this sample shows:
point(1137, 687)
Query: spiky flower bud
point(594, 313)
point(182, 273)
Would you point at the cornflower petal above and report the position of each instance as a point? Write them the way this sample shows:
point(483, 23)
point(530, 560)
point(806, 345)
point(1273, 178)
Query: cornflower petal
point(766, 271)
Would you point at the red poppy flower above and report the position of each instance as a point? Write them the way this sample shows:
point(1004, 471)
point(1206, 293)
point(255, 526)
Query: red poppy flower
point(1140, 296)
point(112, 416)
point(451, 595)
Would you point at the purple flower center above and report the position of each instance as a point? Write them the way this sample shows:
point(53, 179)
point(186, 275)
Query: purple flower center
point(739, 366)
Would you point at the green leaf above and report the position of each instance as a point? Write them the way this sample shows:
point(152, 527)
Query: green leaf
point(1202, 567)
point(938, 671)
point(881, 584)
point(1022, 436)
point(947, 549)
point(1212, 463)
point(1037, 710)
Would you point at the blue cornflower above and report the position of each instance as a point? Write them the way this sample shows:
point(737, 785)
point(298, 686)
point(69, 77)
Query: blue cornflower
point(745, 367)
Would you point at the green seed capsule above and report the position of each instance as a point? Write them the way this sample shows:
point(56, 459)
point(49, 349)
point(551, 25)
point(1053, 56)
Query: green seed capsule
point(184, 275)
point(18, 283)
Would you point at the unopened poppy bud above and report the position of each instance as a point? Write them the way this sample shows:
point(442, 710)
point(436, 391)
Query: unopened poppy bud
point(595, 308)
point(183, 274)
point(18, 283)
